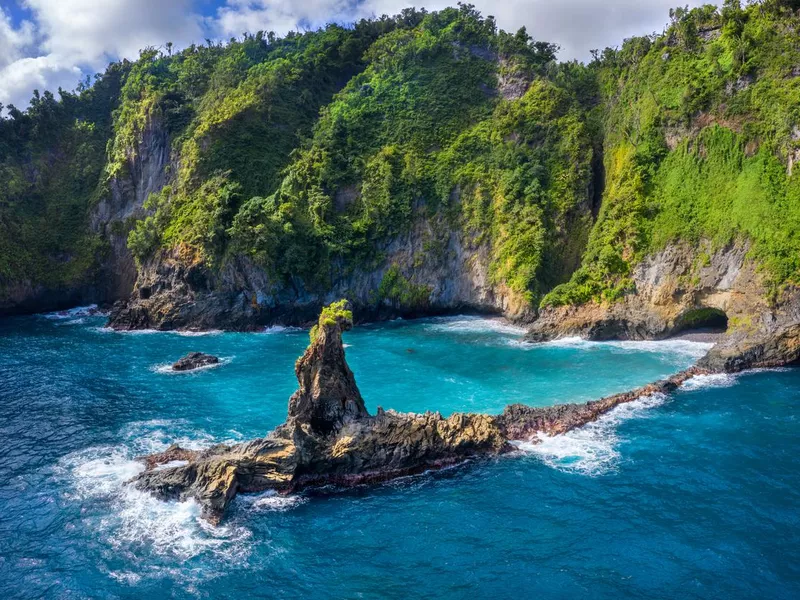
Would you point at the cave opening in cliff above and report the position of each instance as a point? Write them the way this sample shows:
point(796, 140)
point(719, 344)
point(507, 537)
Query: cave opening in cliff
point(703, 319)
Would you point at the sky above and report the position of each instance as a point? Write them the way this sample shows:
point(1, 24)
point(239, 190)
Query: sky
point(47, 44)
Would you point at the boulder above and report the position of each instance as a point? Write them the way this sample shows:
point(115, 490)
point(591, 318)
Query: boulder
point(194, 360)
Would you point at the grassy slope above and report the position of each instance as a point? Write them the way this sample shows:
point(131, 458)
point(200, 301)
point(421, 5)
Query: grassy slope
point(723, 88)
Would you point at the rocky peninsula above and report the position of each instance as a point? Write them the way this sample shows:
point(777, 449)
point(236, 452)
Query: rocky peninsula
point(329, 437)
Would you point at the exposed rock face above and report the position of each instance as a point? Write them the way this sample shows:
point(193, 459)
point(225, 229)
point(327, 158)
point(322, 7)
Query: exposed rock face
point(194, 360)
point(766, 338)
point(328, 396)
point(172, 293)
point(330, 438)
point(144, 173)
point(670, 286)
point(673, 286)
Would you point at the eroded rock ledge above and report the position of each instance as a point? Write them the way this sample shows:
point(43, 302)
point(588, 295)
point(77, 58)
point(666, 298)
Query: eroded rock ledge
point(329, 438)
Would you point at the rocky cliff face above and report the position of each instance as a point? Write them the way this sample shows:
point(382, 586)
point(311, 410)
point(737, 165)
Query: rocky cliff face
point(448, 270)
point(684, 288)
point(672, 290)
point(144, 172)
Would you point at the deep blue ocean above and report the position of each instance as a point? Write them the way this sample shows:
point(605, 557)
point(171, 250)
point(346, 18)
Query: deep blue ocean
point(695, 495)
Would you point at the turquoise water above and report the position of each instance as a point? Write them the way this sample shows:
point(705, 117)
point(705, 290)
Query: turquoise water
point(691, 496)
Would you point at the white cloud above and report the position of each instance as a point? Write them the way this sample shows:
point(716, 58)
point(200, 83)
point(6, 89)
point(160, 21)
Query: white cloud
point(281, 16)
point(69, 38)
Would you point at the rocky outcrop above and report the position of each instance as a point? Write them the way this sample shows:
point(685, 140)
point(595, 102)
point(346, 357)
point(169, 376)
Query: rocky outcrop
point(520, 422)
point(765, 338)
point(194, 360)
point(329, 438)
point(682, 288)
point(672, 288)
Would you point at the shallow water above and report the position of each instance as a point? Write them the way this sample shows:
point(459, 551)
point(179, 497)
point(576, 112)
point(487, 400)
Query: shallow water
point(688, 496)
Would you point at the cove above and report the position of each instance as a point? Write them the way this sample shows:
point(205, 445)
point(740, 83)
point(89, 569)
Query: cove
point(651, 500)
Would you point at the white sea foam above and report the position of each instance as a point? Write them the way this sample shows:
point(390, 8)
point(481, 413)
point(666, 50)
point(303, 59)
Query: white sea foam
point(74, 313)
point(171, 465)
point(688, 348)
point(156, 435)
point(199, 333)
point(270, 501)
point(275, 329)
point(166, 368)
point(593, 449)
point(467, 324)
point(714, 380)
point(125, 517)
point(77, 321)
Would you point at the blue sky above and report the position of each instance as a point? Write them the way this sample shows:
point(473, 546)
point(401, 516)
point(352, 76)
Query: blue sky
point(45, 44)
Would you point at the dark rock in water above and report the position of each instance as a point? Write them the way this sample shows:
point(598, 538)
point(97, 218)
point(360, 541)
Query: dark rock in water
point(329, 438)
point(195, 360)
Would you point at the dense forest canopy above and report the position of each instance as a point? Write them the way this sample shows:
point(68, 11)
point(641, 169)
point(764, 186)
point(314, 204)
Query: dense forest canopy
point(308, 153)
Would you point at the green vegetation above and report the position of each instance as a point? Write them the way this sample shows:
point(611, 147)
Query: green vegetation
point(425, 130)
point(336, 312)
point(51, 163)
point(401, 292)
point(309, 154)
point(699, 127)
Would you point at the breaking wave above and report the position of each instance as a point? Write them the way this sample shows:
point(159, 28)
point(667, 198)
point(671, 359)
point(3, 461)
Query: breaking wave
point(270, 501)
point(714, 380)
point(466, 324)
point(75, 313)
point(128, 519)
point(591, 450)
point(274, 329)
point(688, 348)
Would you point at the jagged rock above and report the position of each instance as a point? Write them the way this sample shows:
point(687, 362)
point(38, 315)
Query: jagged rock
point(194, 360)
point(328, 396)
point(519, 422)
point(329, 438)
